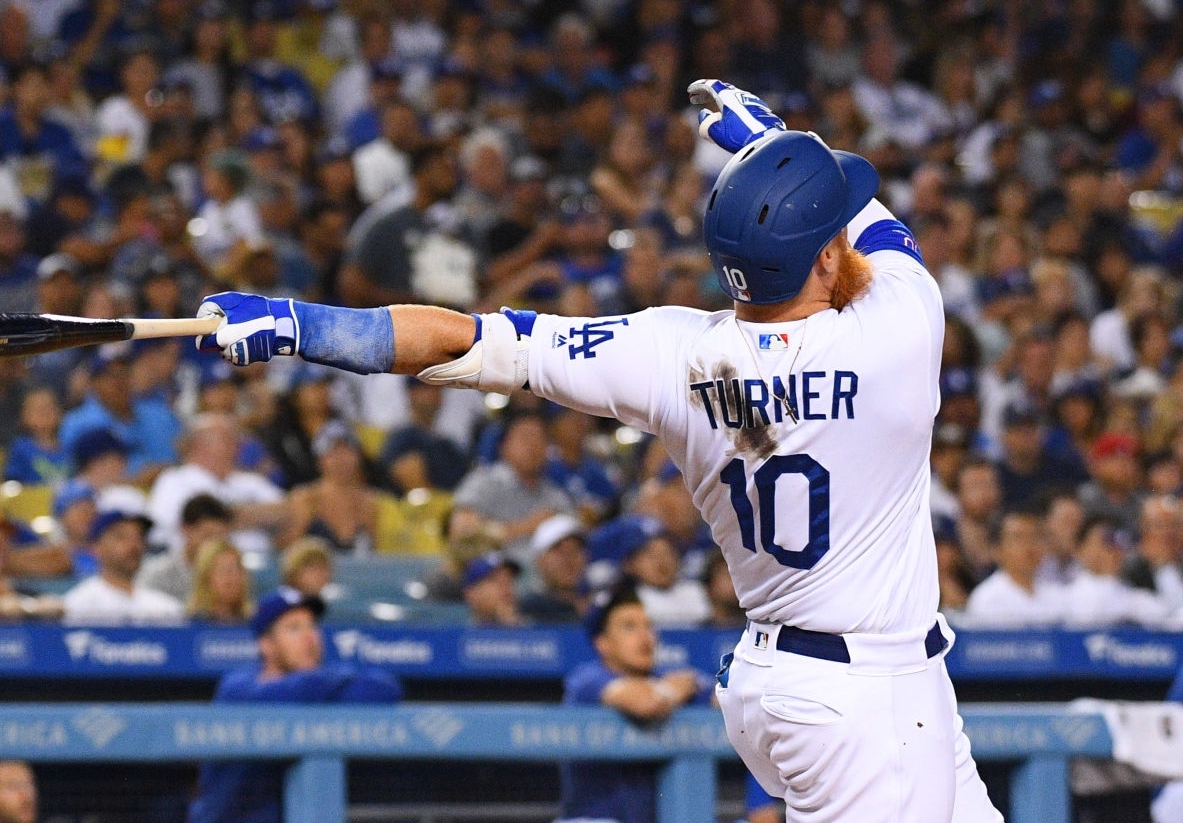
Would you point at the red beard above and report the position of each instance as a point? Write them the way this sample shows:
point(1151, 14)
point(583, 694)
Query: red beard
point(854, 277)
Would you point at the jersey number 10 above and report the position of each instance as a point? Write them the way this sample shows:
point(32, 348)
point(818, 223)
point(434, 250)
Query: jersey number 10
point(735, 476)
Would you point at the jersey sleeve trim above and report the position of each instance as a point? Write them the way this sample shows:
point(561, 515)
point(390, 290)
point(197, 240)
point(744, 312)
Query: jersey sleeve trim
point(522, 319)
point(889, 235)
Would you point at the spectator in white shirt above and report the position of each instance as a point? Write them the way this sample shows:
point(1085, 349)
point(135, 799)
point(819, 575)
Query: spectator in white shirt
point(1097, 596)
point(1157, 562)
point(651, 560)
point(111, 596)
point(383, 166)
point(1063, 528)
point(1012, 597)
point(124, 120)
point(351, 91)
point(230, 230)
point(893, 107)
point(210, 449)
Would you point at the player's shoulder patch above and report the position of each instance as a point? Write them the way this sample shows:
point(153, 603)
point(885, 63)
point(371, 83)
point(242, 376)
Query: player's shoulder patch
point(889, 235)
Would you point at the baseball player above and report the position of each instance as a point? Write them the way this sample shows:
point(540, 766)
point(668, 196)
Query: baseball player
point(801, 422)
point(626, 677)
point(290, 670)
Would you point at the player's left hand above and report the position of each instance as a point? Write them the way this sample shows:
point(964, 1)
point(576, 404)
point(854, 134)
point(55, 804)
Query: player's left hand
point(739, 117)
point(253, 329)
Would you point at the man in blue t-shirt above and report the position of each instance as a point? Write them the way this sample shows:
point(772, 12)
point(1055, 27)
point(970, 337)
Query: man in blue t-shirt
point(625, 677)
point(290, 670)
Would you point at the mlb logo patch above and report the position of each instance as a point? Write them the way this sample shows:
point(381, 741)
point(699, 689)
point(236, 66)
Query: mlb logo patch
point(761, 640)
point(774, 342)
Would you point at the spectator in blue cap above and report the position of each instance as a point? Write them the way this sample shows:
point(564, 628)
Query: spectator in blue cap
point(961, 404)
point(146, 424)
point(100, 459)
point(1027, 468)
point(291, 669)
point(74, 510)
point(111, 596)
point(624, 676)
point(652, 561)
point(640, 548)
point(489, 585)
point(94, 444)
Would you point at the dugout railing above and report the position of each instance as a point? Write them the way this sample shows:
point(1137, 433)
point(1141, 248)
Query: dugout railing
point(1040, 739)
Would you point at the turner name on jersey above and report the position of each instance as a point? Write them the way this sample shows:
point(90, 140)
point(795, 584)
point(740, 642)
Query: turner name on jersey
point(746, 402)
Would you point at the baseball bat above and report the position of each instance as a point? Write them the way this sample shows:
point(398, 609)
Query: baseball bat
point(25, 334)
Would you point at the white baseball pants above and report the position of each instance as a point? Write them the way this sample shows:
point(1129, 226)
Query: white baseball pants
point(875, 740)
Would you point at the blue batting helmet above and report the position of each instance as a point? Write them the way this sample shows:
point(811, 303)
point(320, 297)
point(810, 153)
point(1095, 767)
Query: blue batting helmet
point(774, 207)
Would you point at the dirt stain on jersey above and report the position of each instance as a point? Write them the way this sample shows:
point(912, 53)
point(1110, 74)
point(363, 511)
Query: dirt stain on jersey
point(758, 441)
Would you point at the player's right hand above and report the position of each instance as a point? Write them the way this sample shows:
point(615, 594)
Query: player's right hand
point(253, 328)
point(738, 118)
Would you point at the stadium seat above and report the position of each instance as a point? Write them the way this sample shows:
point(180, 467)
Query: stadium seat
point(365, 588)
point(26, 502)
point(45, 585)
point(436, 614)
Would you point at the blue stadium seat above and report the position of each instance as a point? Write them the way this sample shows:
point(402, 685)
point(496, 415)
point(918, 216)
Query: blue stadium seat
point(366, 588)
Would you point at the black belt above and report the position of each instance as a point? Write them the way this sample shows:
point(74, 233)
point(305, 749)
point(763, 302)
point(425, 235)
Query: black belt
point(833, 646)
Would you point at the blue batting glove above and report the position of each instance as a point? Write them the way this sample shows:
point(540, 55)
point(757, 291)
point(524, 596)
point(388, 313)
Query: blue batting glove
point(254, 328)
point(741, 118)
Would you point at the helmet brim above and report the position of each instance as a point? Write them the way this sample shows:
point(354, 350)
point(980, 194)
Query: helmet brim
point(862, 182)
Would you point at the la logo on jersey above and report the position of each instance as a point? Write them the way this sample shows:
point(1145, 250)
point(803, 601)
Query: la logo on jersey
point(582, 342)
point(774, 342)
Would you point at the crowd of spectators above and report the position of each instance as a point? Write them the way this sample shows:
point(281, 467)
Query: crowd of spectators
point(542, 154)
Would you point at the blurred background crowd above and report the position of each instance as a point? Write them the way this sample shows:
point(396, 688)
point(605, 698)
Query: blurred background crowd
point(542, 154)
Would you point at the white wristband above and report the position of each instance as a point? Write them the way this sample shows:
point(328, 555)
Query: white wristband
point(498, 362)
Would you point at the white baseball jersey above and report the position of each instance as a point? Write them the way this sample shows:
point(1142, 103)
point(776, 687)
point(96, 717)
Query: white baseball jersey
point(824, 521)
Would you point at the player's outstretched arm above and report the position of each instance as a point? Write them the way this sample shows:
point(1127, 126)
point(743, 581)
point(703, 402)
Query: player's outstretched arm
point(438, 344)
